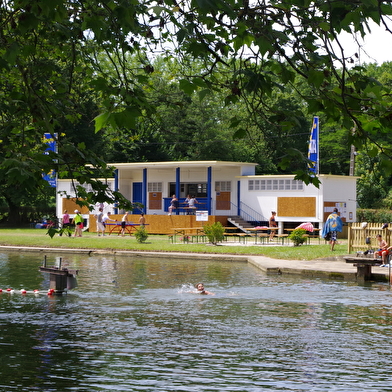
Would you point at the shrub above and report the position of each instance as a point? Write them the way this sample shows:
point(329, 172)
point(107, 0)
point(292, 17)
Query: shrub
point(374, 216)
point(141, 234)
point(214, 232)
point(297, 236)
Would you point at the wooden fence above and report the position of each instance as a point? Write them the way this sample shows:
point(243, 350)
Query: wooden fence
point(361, 239)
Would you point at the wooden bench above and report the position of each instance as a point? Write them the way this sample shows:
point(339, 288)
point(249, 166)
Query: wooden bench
point(282, 237)
point(236, 235)
point(364, 266)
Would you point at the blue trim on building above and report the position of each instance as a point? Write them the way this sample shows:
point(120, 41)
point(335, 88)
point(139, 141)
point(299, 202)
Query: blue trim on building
point(178, 186)
point(115, 206)
point(144, 190)
point(209, 189)
point(239, 198)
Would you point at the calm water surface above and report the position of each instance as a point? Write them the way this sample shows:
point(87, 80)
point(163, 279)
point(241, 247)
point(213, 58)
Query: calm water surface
point(134, 324)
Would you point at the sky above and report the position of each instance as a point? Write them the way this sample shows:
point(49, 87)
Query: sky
point(377, 45)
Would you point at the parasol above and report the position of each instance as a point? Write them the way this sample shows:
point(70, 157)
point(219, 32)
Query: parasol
point(306, 226)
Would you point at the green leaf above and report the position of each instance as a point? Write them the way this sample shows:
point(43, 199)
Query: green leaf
point(101, 120)
point(52, 232)
point(240, 134)
point(187, 86)
point(204, 93)
point(316, 77)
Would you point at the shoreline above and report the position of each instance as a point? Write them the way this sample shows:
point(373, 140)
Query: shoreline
point(333, 268)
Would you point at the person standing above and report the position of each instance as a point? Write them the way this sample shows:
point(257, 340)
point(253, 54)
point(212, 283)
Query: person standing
point(65, 223)
point(186, 202)
point(142, 220)
point(78, 222)
point(100, 226)
point(333, 225)
point(191, 204)
point(124, 221)
point(106, 218)
point(272, 223)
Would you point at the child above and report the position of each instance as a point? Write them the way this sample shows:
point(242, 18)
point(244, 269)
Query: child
point(78, 222)
point(200, 289)
point(124, 221)
point(382, 250)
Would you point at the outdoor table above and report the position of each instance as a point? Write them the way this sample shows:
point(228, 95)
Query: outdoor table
point(184, 231)
point(129, 227)
point(258, 230)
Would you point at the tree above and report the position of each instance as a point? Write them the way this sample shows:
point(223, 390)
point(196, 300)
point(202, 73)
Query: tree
point(261, 47)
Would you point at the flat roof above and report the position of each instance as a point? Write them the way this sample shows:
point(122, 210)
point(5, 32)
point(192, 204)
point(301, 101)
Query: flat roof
point(171, 164)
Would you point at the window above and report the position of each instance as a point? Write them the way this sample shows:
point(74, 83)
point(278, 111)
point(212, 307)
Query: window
point(275, 185)
point(222, 186)
point(154, 187)
point(194, 189)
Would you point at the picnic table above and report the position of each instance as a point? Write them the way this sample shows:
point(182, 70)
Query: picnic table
point(129, 227)
point(189, 231)
point(259, 230)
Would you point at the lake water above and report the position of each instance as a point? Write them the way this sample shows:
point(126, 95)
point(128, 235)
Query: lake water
point(135, 324)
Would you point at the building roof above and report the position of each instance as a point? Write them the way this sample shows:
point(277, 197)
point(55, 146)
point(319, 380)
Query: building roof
point(174, 164)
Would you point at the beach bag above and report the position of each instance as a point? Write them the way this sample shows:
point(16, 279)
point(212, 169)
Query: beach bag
point(327, 236)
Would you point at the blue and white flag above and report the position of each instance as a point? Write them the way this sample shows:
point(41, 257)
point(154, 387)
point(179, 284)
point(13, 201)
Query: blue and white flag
point(313, 152)
point(51, 177)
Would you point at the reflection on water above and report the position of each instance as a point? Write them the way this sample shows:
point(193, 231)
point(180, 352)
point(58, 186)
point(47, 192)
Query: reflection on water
point(136, 324)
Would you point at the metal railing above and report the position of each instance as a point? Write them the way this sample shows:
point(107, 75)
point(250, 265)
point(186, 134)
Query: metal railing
point(244, 211)
point(251, 215)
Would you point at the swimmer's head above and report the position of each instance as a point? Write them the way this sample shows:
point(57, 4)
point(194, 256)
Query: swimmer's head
point(200, 287)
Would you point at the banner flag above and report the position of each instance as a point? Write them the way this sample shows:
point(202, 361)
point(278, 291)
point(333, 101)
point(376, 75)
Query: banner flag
point(313, 152)
point(51, 177)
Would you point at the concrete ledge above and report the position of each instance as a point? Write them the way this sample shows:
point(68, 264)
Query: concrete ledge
point(334, 268)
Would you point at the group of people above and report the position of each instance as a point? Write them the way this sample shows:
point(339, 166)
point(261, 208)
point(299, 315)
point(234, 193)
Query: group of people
point(332, 227)
point(101, 220)
point(77, 220)
point(190, 201)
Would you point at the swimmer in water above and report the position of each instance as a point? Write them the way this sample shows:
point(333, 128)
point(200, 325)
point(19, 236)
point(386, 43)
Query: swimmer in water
point(200, 289)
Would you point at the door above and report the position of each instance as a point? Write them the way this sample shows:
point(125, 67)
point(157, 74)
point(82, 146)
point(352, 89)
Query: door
point(223, 201)
point(137, 196)
point(155, 200)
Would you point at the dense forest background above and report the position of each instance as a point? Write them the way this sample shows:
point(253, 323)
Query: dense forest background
point(122, 81)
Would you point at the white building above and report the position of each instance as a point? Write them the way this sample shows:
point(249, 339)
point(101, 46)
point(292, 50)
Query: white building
point(227, 189)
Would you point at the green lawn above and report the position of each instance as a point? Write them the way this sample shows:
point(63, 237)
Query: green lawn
point(161, 243)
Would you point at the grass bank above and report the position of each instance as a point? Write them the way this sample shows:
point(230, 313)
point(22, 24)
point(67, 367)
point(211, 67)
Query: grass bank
point(160, 243)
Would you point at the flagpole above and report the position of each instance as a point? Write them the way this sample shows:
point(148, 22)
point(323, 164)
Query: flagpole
point(313, 151)
point(318, 145)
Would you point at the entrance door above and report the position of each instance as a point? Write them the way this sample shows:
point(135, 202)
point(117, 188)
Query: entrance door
point(223, 201)
point(137, 196)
